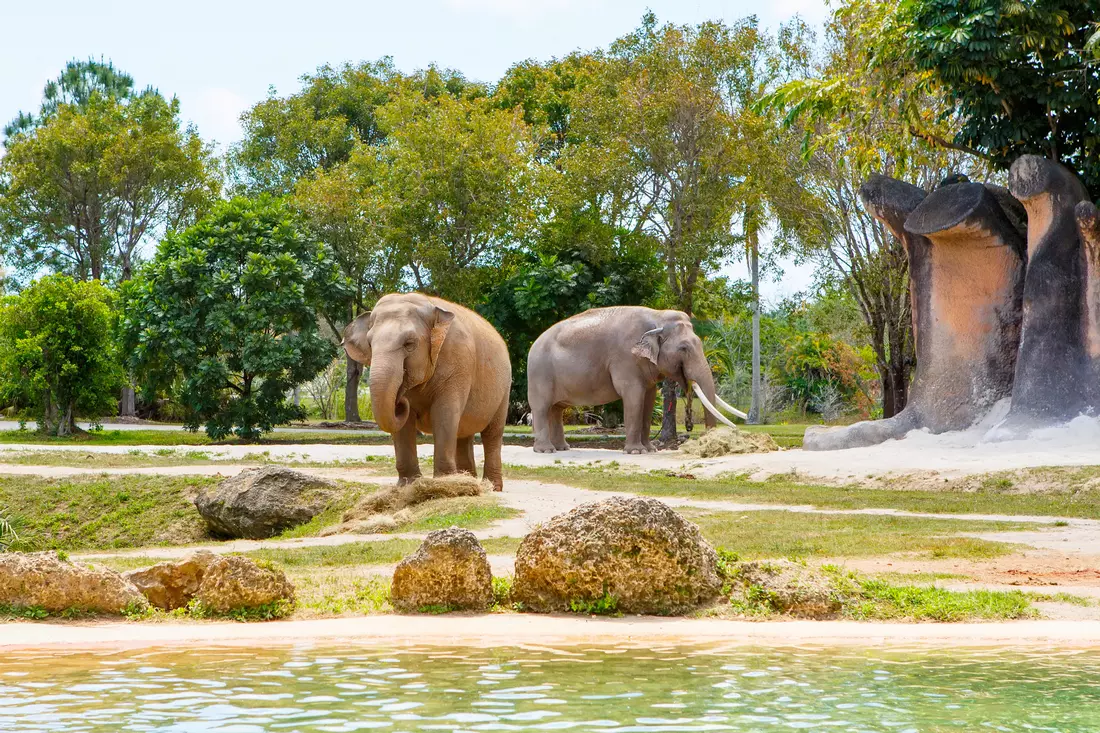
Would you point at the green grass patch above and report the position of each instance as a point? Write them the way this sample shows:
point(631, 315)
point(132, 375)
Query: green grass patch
point(331, 556)
point(104, 512)
point(770, 534)
point(1078, 500)
point(473, 512)
point(880, 601)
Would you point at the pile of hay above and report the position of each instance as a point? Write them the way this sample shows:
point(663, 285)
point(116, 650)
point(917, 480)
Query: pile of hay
point(724, 441)
point(389, 508)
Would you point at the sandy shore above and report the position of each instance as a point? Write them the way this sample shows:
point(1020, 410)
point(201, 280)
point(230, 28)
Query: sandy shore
point(522, 630)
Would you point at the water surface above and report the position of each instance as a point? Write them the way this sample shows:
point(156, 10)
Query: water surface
point(349, 688)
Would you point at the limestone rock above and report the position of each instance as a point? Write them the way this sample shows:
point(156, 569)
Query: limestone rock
point(231, 582)
point(44, 580)
point(261, 502)
point(449, 569)
point(172, 585)
point(637, 551)
point(786, 587)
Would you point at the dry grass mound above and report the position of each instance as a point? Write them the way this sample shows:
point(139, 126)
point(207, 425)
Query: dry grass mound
point(724, 441)
point(386, 510)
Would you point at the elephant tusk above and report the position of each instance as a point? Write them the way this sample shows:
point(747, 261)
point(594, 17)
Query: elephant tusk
point(729, 408)
point(710, 408)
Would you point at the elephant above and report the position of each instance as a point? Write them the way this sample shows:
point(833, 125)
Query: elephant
point(437, 368)
point(604, 354)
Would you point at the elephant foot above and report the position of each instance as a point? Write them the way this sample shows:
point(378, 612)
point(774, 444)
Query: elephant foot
point(635, 449)
point(544, 448)
point(406, 480)
point(562, 446)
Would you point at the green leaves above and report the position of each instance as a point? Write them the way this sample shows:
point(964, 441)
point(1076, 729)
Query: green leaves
point(226, 314)
point(57, 352)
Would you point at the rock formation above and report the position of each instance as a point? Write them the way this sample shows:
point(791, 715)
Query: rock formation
point(1049, 369)
point(172, 585)
point(448, 570)
point(262, 502)
point(232, 583)
point(635, 554)
point(786, 587)
point(966, 267)
point(1088, 225)
point(44, 580)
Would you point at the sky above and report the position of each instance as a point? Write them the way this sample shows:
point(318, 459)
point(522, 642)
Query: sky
point(222, 56)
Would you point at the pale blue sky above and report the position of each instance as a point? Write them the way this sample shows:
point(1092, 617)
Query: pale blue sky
point(220, 56)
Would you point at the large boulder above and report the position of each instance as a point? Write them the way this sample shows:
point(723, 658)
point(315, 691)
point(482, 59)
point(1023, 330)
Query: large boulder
point(233, 583)
point(44, 580)
point(448, 570)
point(633, 555)
point(262, 502)
point(172, 585)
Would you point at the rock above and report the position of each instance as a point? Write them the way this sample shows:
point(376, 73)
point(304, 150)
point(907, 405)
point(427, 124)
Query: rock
point(450, 569)
point(636, 551)
point(785, 587)
point(262, 502)
point(172, 585)
point(725, 441)
point(232, 583)
point(44, 580)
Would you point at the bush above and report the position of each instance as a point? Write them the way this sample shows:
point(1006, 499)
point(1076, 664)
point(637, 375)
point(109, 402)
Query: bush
point(822, 374)
point(228, 312)
point(57, 353)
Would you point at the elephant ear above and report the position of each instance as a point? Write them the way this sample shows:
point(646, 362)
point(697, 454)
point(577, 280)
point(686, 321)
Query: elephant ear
point(443, 320)
point(648, 346)
point(362, 345)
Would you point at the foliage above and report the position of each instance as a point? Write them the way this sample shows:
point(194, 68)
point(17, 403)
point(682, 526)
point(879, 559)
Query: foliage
point(229, 308)
point(1019, 74)
point(605, 605)
point(57, 352)
point(87, 184)
point(323, 388)
point(75, 86)
point(814, 364)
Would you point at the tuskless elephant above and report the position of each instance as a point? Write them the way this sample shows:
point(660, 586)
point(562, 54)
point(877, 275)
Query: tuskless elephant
point(605, 354)
point(438, 368)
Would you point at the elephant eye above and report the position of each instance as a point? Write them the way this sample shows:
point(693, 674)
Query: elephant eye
point(410, 344)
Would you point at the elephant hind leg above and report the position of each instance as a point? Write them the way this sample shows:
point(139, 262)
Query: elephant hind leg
point(557, 427)
point(492, 439)
point(541, 419)
point(464, 456)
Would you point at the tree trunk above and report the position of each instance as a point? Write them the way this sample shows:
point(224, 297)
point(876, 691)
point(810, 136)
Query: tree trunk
point(668, 434)
point(127, 404)
point(351, 391)
point(757, 393)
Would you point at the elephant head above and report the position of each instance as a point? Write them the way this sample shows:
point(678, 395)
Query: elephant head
point(400, 340)
point(677, 353)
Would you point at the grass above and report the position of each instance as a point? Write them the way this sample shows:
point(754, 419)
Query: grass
point(1077, 500)
point(470, 512)
point(880, 601)
point(770, 534)
point(104, 512)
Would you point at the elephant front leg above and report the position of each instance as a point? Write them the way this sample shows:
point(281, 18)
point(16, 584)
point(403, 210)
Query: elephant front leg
point(404, 446)
point(557, 427)
point(540, 426)
point(648, 403)
point(445, 419)
point(637, 428)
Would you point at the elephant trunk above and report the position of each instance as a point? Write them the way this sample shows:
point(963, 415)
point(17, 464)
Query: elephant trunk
point(387, 396)
point(704, 388)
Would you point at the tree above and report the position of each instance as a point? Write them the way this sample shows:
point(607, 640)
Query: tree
point(84, 188)
point(454, 181)
point(228, 309)
point(1019, 75)
point(75, 87)
point(57, 352)
point(858, 118)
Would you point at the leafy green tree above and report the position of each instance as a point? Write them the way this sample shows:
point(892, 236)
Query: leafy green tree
point(81, 190)
point(1020, 75)
point(228, 311)
point(57, 352)
point(75, 86)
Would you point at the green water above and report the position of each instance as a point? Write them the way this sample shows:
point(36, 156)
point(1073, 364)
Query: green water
point(520, 689)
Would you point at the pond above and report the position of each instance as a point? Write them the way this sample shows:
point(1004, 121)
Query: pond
point(532, 688)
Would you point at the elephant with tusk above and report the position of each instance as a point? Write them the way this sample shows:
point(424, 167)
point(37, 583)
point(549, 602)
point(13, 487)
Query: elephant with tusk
point(437, 368)
point(605, 354)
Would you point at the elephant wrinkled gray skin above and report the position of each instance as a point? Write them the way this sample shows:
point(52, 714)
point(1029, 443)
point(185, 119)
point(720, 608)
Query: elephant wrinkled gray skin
point(605, 354)
point(438, 368)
